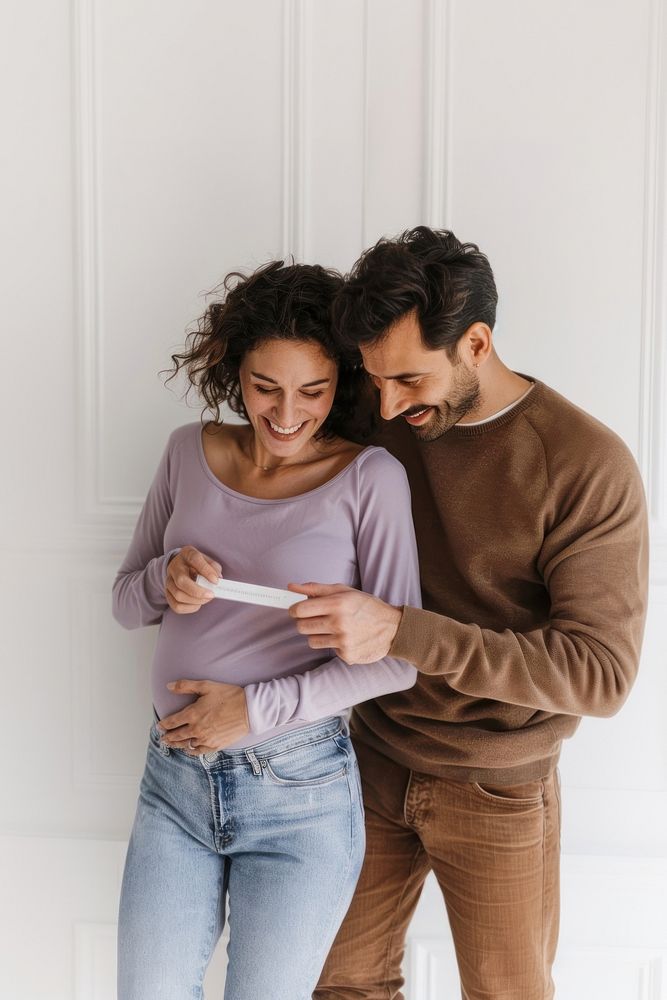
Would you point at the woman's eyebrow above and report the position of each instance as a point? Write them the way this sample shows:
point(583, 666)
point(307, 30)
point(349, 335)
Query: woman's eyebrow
point(306, 385)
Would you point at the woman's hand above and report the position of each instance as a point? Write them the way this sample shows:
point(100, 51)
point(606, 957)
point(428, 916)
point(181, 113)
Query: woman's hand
point(216, 719)
point(184, 596)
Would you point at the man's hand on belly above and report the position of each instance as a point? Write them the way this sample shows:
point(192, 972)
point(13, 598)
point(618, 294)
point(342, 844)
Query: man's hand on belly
point(218, 718)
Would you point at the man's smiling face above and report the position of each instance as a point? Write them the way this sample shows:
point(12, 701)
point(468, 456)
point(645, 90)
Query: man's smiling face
point(422, 386)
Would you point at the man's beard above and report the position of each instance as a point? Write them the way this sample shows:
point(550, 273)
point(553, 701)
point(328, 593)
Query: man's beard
point(465, 397)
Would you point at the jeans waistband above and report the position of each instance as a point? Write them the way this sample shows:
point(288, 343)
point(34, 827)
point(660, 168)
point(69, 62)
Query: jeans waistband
point(314, 733)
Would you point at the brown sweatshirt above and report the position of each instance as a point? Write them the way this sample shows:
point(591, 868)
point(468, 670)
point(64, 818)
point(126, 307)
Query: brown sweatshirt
point(533, 547)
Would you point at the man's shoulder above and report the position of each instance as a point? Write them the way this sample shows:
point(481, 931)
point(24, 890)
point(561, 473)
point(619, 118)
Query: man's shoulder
point(560, 423)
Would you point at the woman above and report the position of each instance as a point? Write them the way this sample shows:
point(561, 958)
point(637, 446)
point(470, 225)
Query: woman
point(251, 793)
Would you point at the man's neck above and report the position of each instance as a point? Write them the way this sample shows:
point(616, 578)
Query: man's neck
point(499, 386)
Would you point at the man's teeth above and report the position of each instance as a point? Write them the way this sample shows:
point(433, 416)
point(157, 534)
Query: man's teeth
point(285, 430)
point(420, 412)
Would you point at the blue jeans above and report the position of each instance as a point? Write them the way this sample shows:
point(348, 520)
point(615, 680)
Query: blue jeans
point(276, 829)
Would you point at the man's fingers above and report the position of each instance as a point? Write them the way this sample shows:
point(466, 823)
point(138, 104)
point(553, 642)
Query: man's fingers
point(317, 589)
point(314, 607)
point(323, 642)
point(322, 625)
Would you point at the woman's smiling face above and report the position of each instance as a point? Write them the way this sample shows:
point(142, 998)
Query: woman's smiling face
point(288, 389)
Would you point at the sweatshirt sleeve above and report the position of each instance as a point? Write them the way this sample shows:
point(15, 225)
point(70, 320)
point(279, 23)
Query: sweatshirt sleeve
point(138, 594)
point(584, 659)
point(388, 568)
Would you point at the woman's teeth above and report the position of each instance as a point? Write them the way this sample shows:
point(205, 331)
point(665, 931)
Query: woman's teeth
point(285, 430)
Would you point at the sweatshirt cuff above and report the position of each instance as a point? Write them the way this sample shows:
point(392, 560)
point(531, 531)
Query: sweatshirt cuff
point(414, 641)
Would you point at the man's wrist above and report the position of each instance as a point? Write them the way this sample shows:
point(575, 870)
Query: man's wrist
point(394, 618)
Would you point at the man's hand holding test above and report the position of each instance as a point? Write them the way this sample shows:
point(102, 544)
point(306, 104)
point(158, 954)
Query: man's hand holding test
point(359, 627)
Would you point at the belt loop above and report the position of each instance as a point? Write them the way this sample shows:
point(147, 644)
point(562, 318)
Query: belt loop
point(256, 769)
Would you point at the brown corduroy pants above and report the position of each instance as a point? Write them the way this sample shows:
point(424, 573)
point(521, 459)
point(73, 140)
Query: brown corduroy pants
point(495, 852)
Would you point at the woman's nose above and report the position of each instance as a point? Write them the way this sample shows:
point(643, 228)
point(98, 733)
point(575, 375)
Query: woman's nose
point(286, 412)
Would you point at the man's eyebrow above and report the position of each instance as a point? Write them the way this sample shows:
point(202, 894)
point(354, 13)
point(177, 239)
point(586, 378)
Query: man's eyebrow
point(306, 385)
point(403, 375)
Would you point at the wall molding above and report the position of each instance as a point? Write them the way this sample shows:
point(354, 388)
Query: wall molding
point(88, 602)
point(431, 971)
point(115, 515)
point(94, 961)
point(365, 75)
point(653, 373)
point(430, 967)
point(437, 199)
point(296, 34)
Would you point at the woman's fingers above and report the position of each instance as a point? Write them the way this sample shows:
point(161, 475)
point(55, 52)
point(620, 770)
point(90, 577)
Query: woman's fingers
point(186, 598)
point(183, 738)
point(201, 564)
point(183, 594)
point(180, 575)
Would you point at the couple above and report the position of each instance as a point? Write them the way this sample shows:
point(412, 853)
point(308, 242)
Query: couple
point(531, 535)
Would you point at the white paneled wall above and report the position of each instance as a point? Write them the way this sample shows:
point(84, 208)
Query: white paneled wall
point(149, 149)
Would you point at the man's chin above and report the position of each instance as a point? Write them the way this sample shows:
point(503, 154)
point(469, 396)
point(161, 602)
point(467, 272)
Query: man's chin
point(437, 425)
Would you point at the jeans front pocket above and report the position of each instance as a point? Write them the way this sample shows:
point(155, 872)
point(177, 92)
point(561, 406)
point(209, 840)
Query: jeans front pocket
point(155, 741)
point(512, 796)
point(309, 764)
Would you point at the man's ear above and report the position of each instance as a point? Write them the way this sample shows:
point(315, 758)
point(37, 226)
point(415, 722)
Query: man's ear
point(476, 345)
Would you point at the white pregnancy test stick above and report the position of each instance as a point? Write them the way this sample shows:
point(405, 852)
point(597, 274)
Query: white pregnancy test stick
point(251, 593)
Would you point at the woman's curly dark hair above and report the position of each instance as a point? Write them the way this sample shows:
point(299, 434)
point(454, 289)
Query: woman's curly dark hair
point(278, 301)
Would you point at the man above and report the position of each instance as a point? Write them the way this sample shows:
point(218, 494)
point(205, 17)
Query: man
point(532, 535)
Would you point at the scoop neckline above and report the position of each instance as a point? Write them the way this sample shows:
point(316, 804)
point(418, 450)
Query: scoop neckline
point(208, 472)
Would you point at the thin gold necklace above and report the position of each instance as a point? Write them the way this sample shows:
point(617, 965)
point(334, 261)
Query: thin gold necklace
point(273, 468)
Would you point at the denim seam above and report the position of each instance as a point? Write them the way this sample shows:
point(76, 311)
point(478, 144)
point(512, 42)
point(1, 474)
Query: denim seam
point(544, 888)
point(211, 945)
point(309, 743)
point(343, 881)
point(215, 811)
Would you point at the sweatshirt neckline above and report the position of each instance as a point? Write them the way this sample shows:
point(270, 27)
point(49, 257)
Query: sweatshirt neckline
point(475, 430)
point(208, 472)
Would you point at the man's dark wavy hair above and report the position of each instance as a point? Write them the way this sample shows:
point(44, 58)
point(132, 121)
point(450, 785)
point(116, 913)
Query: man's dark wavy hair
point(450, 285)
point(278, 301)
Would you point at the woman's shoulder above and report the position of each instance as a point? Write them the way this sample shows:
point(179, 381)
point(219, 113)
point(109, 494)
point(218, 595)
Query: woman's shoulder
point(379, 471)
point(377, 459)
point(183, 436)
point(190, 434)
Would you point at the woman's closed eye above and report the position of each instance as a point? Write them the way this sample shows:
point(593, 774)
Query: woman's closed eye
point(309, 395)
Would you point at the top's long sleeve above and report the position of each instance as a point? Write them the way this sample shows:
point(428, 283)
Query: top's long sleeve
point(138, 594)
point(388, 568)
point(355, 529)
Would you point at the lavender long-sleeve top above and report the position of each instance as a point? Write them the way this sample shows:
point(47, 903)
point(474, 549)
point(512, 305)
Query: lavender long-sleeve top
point(356, 529)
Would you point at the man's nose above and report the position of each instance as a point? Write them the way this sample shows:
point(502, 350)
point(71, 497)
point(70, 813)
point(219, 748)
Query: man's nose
point(391, 403)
